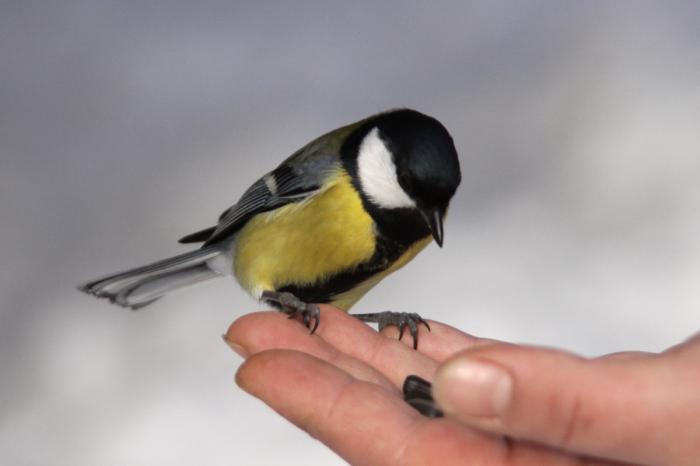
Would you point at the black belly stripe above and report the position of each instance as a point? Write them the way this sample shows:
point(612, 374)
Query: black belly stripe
point(325, 291)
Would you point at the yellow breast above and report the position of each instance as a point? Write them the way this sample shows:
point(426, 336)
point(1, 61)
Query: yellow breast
point(304, 242)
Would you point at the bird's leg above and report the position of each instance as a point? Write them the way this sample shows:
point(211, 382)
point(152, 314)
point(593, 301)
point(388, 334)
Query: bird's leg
point(293, 306)
point(418, 393)
point(399, 319)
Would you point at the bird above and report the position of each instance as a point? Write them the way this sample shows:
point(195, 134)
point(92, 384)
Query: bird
point(325, 226)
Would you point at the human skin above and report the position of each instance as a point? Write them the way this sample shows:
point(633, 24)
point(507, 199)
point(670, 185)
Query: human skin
point(504, 404)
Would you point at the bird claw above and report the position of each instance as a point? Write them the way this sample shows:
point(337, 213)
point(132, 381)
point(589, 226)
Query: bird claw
point(308, 313)
point(293, 306)
point(400, 320)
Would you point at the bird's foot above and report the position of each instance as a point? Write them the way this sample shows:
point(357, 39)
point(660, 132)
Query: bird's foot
point(418, 393)
point(401, 320)
point(293, 306)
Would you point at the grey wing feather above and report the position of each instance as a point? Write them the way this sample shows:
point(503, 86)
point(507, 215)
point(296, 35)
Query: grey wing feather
point(293, 181)
point(253, 201)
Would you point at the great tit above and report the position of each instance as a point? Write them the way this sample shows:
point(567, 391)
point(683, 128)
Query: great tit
point(325, 226)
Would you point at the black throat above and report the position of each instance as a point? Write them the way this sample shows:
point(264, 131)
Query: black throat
point(402, 227)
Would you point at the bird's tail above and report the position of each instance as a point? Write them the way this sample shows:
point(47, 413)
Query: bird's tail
point(141, 286)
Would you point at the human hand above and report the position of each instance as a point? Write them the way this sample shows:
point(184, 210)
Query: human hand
point(341, 386)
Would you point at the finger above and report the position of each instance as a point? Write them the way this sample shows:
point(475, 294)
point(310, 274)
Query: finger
point(441, 342)
point(625, 409)
point(261, 331)
point(362, 422)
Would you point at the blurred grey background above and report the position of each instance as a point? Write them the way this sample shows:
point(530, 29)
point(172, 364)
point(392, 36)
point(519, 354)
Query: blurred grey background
point(125, 125)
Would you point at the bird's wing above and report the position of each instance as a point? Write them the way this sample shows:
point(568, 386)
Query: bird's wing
point(298, 178)
point(282, 186)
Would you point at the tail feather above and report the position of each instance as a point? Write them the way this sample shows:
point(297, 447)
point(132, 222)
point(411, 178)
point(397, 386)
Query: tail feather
point(138, 287)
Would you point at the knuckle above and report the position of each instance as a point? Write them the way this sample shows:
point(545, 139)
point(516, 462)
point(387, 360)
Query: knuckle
point(574, 420)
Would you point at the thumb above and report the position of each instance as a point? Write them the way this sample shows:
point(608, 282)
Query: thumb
point(640, 409)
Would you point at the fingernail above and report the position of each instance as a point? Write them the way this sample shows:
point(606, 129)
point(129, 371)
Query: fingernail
point(235, 347)
point(467, 387)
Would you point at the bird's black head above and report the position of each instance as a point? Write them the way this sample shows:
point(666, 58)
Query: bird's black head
point(407, 160)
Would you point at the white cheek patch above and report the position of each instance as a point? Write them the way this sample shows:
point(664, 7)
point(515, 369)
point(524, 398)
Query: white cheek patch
point(377, 174)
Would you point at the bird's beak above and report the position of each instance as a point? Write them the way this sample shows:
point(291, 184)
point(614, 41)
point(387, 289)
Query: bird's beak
point(433, 218)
